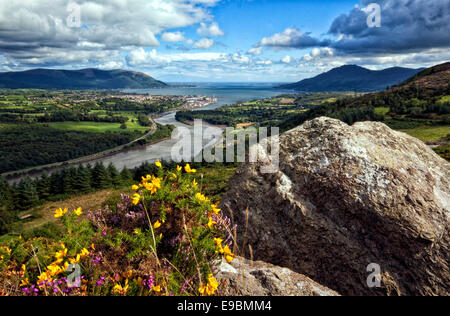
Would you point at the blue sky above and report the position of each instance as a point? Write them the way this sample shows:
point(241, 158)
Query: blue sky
point(222, 40)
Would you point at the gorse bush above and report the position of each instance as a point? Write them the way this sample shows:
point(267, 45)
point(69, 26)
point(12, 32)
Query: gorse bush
point(166, 239)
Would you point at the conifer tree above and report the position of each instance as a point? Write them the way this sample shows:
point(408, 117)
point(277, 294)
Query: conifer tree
point(100, 177)
point(127, 176)
point(6, 207)
point(116, 179)
point(43, 186)
point(27, 194)
point(83, 179)
point(69, 181)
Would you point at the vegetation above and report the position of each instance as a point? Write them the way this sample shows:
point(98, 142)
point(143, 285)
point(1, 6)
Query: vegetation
point(40, 144)
point(267, 112)
point(166, 239)
point(39, 127)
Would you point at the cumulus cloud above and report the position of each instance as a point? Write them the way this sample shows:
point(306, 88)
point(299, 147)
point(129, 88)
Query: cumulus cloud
point(291, 38)
point(240, 59)
point(255, 51)
point(318, 53)
point(210, 30)
point(406, 26)
point(286, 59)
point(36, 30)
point(173, 37)
point(151, 59)
point(204, 43)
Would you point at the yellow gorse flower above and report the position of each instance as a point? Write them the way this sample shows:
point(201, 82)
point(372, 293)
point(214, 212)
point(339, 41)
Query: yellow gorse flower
point(194, 183)
point(225, 251)
point(136, 199)
point(179, 168)
point(135, 188)
point(157, 225)
point(24, 282)
point(158, 164)
point(78, 211)
point(211, 223)
point(210, 288)
point(215, 209)
point(201, 197)
point(60, 212)
point(118, 289)
point(84, 253)
point(188, 169)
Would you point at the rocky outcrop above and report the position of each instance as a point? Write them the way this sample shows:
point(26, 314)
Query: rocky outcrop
point(346, 197)
point(246, 278)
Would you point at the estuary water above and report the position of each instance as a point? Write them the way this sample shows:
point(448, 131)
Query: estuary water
point(225, 93)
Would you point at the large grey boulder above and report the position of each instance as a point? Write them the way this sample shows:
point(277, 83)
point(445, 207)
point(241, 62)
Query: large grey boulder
point(347, 198)
point(247, 278)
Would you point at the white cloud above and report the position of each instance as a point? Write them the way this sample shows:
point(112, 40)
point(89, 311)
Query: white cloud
point(204, 43)
point(318, 53)
point(287, 59)
point(210, 30)
point(290, 38)
point(151, 59)
point(28, 26)
point(240, 59)
point(255, 51)
point(173, 37)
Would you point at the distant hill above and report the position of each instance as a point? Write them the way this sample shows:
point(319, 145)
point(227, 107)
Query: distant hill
point(354, 78)
point(420, 99)
point(78, 79)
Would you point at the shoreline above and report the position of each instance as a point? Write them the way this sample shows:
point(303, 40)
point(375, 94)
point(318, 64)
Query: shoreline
point(17, 175)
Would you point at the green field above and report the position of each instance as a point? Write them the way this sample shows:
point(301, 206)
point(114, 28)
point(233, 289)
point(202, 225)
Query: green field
point(429, 133)
point(97, 127)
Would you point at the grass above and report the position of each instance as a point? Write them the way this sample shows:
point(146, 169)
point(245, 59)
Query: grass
point(97, 127)
point(429, 133)
point(92, 201)
point(382, 110)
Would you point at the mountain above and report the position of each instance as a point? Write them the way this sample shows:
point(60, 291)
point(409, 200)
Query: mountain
point(78, 79)
point(421, 98)
point(354, 78)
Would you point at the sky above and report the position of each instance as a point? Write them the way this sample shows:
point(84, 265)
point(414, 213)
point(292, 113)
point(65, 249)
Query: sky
point(223, 40)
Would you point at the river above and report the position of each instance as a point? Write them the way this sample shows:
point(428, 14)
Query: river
point(225, 94)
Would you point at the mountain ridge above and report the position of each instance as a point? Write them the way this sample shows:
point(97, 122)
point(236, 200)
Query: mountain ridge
point(354, 78)
point(88, 78)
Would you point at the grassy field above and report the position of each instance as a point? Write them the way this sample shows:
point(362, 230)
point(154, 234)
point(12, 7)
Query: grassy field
point(429, 133)
point(382, 110)
point(97, 127)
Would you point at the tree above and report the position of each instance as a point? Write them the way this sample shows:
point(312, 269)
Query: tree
point(127, 176)
point(116, 179)
point(83, 179)
point(6, 207)
point(100, 177)
point(27, 195)
point(44, 187)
